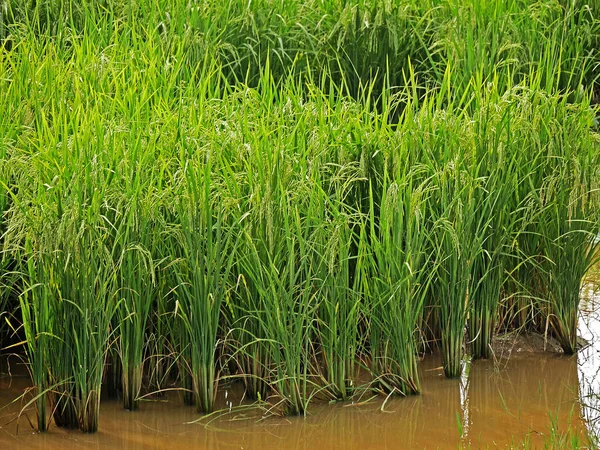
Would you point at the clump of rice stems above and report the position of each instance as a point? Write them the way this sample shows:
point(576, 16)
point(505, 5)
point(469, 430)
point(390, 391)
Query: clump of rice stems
point(338, 261)
point(161, 352)
point(568, 252)
point(460, 227)
point(523, 288)
point(399, 275)
point(46, 322)
point(488, 276)
point(250, 348)
point(568, 220)
point(9, 130)
point(205, 246)
point(366, 36)
point(70, 306)
point(497, 169)
point(134, 215)
point(463, 213)
point(547, 38)
point(113, 377)
point(62, 397)
point(136, 275)
point(62, 222)
point(88, 297)
point(288, 305)
point(36, 316)
point(555, 202)
point(275, 260)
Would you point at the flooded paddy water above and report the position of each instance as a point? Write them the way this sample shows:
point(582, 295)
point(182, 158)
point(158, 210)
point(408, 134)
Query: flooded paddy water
point(495, 404)
point(492, 405)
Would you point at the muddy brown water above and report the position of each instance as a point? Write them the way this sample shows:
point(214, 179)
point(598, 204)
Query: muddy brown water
point(494, 404)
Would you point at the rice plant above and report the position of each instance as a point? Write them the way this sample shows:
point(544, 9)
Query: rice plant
point(87, 331)
point(497, 166)
point(339, 274)
point(35, 311)
point(206, 248)
point(288, 307)
point(458, 239)
point(399, 275)
point(137, 291)
point(568, 221)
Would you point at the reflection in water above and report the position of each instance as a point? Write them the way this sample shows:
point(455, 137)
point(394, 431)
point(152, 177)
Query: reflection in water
point(588, 360)
point(464, 400)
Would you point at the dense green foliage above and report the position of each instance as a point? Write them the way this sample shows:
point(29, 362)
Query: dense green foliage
point(286, 191)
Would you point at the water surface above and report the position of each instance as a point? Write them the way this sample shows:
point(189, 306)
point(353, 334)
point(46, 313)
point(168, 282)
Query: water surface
point(494, 404)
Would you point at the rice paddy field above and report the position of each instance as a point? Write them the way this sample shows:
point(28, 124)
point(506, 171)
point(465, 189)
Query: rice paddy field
point(304, 204)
